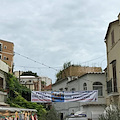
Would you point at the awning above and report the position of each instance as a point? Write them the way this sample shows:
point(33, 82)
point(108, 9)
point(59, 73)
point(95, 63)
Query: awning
point(3, 104)
point(13, 109)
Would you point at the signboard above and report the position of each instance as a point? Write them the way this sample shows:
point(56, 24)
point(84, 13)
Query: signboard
point(76, 96)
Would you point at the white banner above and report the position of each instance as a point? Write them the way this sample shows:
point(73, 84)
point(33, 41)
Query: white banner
point(76, 96)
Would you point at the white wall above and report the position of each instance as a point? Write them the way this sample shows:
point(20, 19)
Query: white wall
point(4, 67)
point(67, 108)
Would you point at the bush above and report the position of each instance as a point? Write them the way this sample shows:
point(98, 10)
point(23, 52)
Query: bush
point(111, 113)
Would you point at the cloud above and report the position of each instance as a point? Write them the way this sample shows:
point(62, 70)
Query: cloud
point(53, 32)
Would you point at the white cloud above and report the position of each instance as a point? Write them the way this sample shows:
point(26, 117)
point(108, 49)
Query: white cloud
point(55, 31)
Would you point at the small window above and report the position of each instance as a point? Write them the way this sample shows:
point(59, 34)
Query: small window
point(5, 58)
point(112, 37)
point(61, 89)
point(0, 46)
point(73, 89)
point(84, 86)
point(0, 56)
point(5, 47)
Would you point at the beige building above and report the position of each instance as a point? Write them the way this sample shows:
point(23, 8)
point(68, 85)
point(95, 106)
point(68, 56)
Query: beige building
point(31, 82)
point(112, 40)
point(74, 71)
point(7, 53)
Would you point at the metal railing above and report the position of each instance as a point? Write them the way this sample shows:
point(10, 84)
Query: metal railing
point(111, 86)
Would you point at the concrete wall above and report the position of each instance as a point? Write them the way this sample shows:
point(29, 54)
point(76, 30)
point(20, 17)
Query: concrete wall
point(3, 96)
point(4, 67)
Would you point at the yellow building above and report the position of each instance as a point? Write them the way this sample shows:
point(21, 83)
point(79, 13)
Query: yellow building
point(112, 40)
point(7, 53)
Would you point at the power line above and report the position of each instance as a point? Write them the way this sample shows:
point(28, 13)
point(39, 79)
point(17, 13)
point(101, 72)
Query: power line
point(47, 65)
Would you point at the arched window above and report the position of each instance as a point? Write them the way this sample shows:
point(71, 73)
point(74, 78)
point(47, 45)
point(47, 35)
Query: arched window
point(98, 86)
point(84, 86)
point(73, 89)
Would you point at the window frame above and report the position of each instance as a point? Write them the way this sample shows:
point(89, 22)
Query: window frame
point(84, 86)
point(98, 87)
point(112, 37)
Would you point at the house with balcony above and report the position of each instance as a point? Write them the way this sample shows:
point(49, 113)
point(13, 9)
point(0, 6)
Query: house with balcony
point(4, 68)
point(112, 40)
point(87, 82)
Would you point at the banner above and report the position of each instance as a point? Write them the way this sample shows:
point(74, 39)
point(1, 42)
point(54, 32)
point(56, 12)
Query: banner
point(72, 96)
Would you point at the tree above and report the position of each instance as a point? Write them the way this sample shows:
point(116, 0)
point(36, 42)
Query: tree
point(29, 73)
point(18, 96)
point(52, 115)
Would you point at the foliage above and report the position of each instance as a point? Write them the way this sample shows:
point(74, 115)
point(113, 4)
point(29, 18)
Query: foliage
point(111, 114)
point(18, 96)
point(29, 73)
point(43, 82)
point(52, 115)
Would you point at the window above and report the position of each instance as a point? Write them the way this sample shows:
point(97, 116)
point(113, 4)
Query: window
point(84, 86)
point(73, 89)
point(114, 75)
point(98, 86)
point(0, 56)
point(61, 89)
point(112, 37)
point(0, 46)
point(5, 58)
point(5, 47)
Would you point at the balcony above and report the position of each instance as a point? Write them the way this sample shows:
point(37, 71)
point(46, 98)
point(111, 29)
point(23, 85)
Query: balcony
point(112, 87)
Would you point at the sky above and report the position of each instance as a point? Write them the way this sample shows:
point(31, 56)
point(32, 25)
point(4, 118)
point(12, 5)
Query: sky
point(48, 33)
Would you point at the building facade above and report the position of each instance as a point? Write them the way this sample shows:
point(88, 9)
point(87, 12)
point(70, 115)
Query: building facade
point(88, 81)
point(31, 82)
point(77, 70)
point(4, 68)
point(7, 53)
point(112, 40)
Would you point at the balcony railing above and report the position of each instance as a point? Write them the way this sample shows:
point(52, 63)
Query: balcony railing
point(111, 87)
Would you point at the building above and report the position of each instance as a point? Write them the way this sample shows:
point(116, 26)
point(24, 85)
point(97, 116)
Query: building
point(31, 82)
point(46, 83)
point(77, 70)
point(7, 53)
point(4, 68)
point(112, 40)
point(88, 81)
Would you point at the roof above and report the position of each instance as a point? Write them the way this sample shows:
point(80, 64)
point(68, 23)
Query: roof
point(27, 77)
point(13, 109)
point(49, 87)
point(87, 74)
point(6, 41)
point(3, 104)
point(109, 27)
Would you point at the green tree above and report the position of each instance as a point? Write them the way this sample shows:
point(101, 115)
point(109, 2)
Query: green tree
point(18, 95)
point(52, 115)
point(29, 73)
